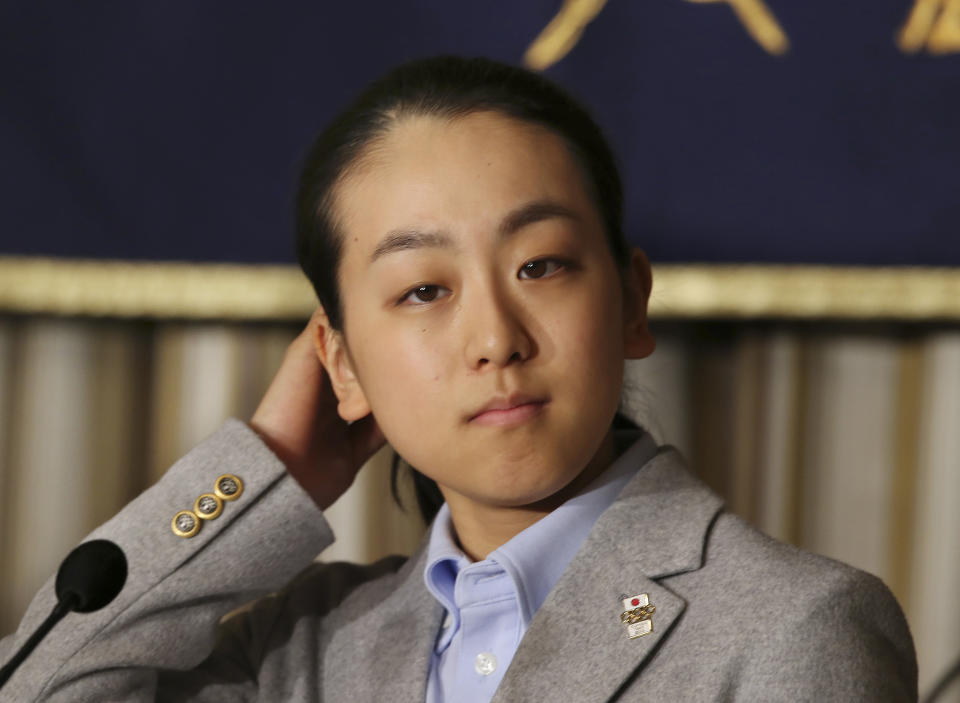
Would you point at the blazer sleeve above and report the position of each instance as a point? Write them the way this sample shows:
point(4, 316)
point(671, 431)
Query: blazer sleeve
point(851, 643)
point(165, 619)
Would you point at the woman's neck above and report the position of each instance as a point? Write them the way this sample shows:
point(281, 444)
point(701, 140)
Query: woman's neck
point(482, 528)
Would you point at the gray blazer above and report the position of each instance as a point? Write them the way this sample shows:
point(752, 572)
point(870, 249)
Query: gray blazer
point(738, 616)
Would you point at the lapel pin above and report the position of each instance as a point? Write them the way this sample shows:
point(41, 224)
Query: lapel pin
point(636, 615)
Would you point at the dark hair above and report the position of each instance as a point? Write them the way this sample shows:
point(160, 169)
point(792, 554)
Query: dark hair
point(445, 87)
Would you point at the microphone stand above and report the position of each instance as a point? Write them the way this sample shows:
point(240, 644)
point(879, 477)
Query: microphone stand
point(90, 577)
point(59, 610)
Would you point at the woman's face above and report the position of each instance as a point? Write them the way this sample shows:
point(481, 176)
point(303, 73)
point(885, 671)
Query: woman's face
point(475, 271)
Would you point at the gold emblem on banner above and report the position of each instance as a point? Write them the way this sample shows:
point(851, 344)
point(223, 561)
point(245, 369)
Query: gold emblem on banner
point(562, 33)
point(934, 24)
point(931, 24)
point(565, 29)
point(760, 23)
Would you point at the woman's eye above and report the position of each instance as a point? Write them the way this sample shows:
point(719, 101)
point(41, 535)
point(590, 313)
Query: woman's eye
point(423, 294)
point(540, 268)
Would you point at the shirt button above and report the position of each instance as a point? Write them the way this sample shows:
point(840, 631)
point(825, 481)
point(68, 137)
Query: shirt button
point(485, 663)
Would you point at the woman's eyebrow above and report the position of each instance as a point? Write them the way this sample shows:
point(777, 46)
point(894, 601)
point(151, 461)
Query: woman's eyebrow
point(527, 214)
point(532, 212)
point(400, 239)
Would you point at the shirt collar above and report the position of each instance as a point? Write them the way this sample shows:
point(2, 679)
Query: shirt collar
point(537, 557)
point(444, 559)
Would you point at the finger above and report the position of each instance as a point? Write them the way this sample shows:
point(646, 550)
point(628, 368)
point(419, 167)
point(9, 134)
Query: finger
point(308, 335)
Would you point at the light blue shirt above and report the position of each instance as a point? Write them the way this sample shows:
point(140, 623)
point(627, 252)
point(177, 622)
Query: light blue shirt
point(490, 603)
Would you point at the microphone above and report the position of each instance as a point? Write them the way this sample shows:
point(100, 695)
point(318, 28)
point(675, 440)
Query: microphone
point(90, 577)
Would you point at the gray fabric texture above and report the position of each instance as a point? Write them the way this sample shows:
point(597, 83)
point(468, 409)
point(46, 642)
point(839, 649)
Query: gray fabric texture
point(739, 616)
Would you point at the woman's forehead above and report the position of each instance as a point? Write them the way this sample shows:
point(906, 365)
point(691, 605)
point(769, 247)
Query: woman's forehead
point(469, 171)
point(435, 146)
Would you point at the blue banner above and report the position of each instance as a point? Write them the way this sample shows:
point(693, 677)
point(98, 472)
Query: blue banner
point(748, 130)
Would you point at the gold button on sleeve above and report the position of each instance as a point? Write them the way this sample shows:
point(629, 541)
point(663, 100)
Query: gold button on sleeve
point(228, 487)
point(185, 524)
point(208, 506)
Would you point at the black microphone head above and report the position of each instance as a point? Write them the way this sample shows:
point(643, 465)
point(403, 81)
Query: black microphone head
point(92, 575)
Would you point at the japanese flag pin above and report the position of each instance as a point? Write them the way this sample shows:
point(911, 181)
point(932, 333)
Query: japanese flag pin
point(636, 615)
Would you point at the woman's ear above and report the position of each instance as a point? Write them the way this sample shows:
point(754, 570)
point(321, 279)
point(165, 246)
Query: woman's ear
point(638, 342)
point(333, 353)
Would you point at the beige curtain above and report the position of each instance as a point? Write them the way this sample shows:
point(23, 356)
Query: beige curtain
point(840, 438)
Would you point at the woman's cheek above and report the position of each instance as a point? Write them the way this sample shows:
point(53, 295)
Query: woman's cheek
point(406, 357)
point(586, 328)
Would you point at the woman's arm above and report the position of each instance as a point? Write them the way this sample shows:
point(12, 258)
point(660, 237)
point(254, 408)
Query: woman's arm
point(165, 618)
point(177, 588)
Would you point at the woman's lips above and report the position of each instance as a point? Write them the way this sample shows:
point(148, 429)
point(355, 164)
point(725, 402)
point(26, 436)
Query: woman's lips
point(511, 416)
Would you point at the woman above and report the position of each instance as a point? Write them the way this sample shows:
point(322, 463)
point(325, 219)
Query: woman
point(461, 224)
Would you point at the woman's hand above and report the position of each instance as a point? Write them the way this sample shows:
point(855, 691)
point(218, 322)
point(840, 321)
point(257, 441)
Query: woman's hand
point(298, 420)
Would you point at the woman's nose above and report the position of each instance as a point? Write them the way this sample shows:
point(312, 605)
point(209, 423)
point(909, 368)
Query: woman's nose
point(495, 332)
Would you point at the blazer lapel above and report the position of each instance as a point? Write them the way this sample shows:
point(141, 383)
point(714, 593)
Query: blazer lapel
point(405, 643)
point(401, 628)
point(577, 648)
